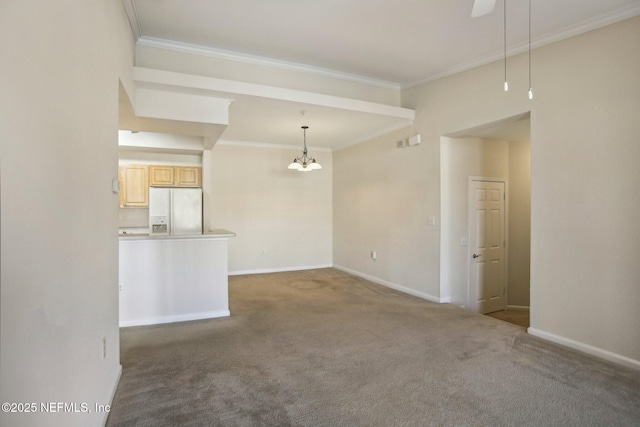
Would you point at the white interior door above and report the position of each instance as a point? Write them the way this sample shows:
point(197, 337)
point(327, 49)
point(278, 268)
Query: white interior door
point(487, 242)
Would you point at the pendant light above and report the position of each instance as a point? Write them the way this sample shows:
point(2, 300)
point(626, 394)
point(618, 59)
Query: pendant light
point(504, 16)
point(304, 163)
point(504, 23)
point(530, 87)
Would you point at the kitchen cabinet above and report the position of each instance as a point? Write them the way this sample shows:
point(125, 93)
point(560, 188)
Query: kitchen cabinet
point(161, 176)
point(175, 176)
point(135, 181)
point(187, 176)
point(134, 186)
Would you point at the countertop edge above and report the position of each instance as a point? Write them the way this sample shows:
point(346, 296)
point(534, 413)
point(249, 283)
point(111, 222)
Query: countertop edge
point(211, 234)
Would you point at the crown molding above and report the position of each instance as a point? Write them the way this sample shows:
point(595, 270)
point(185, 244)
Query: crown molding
point(610, 18)
point(134, 21)
point(259, 60)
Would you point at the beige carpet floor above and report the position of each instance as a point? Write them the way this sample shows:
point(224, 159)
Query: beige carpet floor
point(323, 348)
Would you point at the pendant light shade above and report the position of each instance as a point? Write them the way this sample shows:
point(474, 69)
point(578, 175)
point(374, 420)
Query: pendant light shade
point(304, 163)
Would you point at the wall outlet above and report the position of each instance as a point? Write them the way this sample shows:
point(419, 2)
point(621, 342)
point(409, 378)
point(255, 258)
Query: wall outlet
point(463, 241)
point(431, 221)
point(121, 287)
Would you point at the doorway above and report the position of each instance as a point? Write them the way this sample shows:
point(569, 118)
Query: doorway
point(500, 150)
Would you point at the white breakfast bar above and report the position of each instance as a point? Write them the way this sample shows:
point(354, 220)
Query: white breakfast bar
point(166, 279)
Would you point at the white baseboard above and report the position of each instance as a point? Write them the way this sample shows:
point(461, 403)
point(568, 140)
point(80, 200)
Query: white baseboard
point(279, 269)
point(518, 307)
point(112, 394)
point(390, 285)
point(174, 318)
point(586, 348)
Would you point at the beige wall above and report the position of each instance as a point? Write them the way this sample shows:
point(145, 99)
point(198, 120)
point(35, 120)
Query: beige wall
point(382, 201)
point(585, 202)
point(59, 217)
point(519, 204)
point(584, 156)
point(282, 217)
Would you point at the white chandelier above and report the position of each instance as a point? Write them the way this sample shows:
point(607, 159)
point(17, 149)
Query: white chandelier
point(304, 163)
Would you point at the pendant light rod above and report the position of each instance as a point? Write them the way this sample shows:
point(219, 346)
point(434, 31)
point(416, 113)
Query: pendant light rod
point(304, 133)
point(530, 87)
point(504, 13)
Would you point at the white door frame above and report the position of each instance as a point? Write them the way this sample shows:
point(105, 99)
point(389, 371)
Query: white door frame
point(506, 235)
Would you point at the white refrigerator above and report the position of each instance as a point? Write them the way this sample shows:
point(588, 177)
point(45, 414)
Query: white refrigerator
point(175, 211)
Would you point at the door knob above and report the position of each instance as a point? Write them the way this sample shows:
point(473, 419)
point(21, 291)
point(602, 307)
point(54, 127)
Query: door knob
point(476, 256)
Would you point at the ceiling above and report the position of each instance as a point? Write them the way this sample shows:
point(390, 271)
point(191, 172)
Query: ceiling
point(391, 43)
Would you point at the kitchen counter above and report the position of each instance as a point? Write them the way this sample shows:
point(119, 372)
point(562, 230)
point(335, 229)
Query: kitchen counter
point(165, 279)
point(211, 234)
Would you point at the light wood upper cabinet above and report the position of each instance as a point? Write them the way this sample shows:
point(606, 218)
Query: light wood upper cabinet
point(175, 176)
point(134, 186)
point(162, 176)
point(187, 176)
point(135, 181)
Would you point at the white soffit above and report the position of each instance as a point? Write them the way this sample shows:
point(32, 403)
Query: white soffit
point(159, 142)
point(232, 87)
point(171, 105)
point(273, 115)
point(128, 120)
